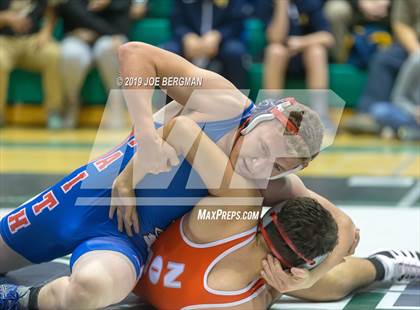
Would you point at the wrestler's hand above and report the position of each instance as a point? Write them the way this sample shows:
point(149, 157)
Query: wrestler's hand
point(155, 155)
point(282, 281)
point(355, 241)
point(124, 202)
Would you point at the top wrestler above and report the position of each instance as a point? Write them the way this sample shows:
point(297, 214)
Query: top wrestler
point(107, 263)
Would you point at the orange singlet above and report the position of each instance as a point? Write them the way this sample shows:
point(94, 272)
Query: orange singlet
point(177, 272)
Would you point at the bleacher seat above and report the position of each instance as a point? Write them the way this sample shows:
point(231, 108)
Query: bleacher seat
point(25, 87)
point(159, 8)
point(345, 80)
point(154, 31)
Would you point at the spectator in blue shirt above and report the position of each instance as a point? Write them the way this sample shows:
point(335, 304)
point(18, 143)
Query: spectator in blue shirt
point(205, 30)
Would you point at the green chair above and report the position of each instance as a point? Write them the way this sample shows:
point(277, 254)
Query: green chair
point(25, 87)
point(93, 90)
point(254, 36)
point(154, 31)
point(348, 82)
point(345, 80)
point(159, 8)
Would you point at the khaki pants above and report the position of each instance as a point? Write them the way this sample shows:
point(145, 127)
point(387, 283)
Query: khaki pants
point(23, 52)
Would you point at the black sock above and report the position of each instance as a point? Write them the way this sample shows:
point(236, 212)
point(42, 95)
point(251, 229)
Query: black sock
point(379, 267)
point(33, 298)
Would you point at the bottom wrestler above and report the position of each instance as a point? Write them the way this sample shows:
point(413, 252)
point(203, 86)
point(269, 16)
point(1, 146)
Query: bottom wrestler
point(199, 264)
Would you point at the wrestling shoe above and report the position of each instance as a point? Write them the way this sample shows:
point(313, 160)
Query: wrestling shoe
point(10, 296)
point(399, 265)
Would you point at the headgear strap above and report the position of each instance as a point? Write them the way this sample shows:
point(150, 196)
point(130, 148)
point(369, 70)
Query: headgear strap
point(267, 240)
point(286, 122)
point(287, 240)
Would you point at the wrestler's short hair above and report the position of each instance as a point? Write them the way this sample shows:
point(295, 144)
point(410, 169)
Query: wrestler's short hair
point(308, 225)
point(311, 131)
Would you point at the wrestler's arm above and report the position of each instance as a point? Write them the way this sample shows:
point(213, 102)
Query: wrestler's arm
point(210, 162)
point(292, 186)
point(141, 60)
point(207, 159)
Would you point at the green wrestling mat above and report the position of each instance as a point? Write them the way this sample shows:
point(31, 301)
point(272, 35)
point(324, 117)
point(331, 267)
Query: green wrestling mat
point(379, 296)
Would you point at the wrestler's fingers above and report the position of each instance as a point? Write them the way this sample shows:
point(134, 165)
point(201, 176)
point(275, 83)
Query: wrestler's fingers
point(264, 276)
point(279, 274)
point(120, 220)
point(269, 276)
point(173, 158)
point(135, 219)
point(277, 267)
point(299, 273)
point(127, 220)
point(271, 279)
point(112, 210)
point(113, 207)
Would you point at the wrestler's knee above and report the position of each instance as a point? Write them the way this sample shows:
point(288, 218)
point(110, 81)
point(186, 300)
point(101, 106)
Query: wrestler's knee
point(9, 259)
point(88, 288)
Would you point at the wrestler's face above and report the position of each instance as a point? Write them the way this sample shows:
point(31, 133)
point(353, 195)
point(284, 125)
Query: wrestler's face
point(263, 152)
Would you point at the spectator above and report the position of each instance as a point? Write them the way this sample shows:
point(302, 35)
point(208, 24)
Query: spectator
point(385, 68)
point(401, 116)
point(94, 29)
point(299, 38)
point(362, 18)
point(24, 44)
point(138, 9)
point(205, 30)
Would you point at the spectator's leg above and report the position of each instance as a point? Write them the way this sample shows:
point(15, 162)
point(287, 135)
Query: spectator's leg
point(275, 66)
point(382, 74)
point(339, 14)
point(105, 54)
point(234, 57)
point(7, 61)
point(315, 60)
point(75, 63)
point(389, 115)
point(406, 92)
point(46, 59)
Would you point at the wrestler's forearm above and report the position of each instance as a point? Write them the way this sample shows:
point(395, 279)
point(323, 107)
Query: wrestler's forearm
point(211, 95)
point(207, 159)
point(126, 178)
point(346, 233)
point(294, 187)
point(133, 68)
